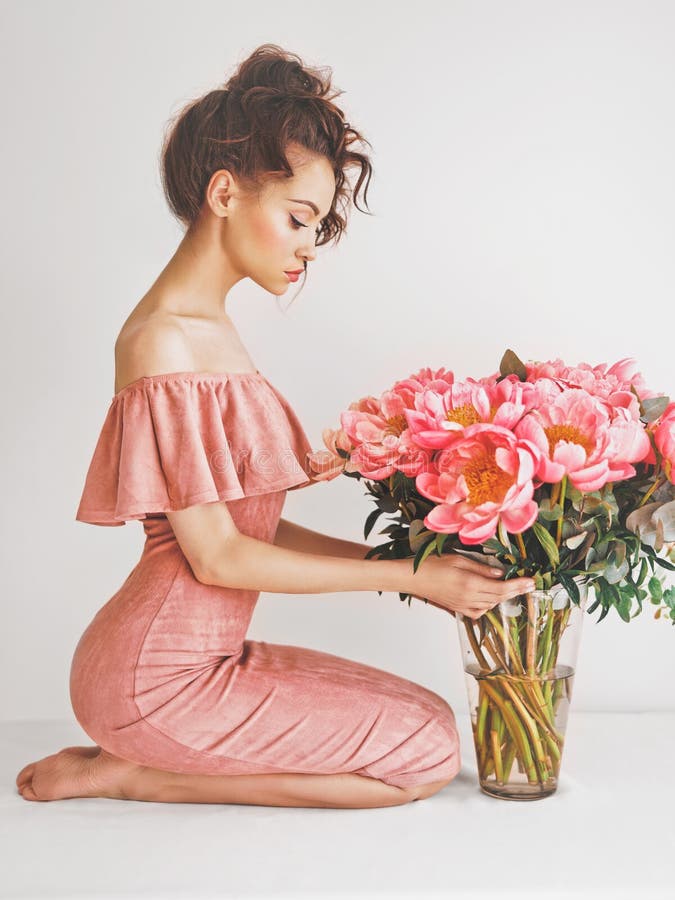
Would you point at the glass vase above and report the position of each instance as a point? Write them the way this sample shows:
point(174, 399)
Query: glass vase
point(519, 663)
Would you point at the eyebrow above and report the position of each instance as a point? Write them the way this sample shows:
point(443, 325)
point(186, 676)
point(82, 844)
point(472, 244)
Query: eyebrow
point(308, 202)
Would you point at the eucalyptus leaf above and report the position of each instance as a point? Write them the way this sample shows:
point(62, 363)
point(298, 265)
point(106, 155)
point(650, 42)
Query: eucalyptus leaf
point(549, 513)
point(656, 588)
point(614, 574)
point(576, 540)
point(653, 407)
point(623, 607)
point(416, 534)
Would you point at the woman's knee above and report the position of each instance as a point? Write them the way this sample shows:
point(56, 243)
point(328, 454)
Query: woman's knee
point(422, 791)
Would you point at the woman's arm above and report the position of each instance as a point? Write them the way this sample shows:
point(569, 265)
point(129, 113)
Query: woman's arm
point(295, 537)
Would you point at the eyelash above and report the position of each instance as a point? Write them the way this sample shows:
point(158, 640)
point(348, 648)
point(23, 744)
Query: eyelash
point(297, 225)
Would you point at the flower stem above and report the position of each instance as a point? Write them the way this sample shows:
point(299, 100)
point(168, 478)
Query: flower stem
point(497, 756)
point(482, 715)
point(657, 484)
point(521, 545)
point(531, 642)
point(516, 730)
point(563, 488)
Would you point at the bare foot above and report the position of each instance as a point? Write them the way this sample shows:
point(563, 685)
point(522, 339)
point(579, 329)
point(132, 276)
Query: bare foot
point(77, 772)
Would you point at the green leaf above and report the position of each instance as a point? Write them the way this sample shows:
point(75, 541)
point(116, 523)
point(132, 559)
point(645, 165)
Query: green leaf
point(370, 521)
point(549, 513)
point(669, 597)
point(623, 608)
point(570, 586)
point(493, 544)
point(655, 589)
point(620, 552)
point(422, 554)
point(388, 504)
point(547, 542)
point(416, 534)
point(441, 538)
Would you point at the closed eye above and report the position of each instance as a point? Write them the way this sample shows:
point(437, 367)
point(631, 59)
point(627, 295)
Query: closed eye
point(297, 224)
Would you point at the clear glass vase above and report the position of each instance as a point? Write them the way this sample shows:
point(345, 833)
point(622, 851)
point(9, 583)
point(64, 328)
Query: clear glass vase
point(519, 663)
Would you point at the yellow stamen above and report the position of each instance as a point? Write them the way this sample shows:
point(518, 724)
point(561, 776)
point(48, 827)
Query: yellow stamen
point(463, 415)
point(396, 425)
point(567, 432)
point(485, 480)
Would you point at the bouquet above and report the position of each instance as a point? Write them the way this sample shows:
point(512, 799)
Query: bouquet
point(562, 473)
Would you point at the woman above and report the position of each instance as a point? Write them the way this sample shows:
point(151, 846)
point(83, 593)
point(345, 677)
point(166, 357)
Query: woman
point(201, 448)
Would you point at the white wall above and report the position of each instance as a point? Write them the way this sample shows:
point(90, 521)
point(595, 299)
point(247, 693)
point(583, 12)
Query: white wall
point(523, 197)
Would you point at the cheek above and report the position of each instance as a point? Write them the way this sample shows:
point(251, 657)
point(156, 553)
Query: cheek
point(271, 233)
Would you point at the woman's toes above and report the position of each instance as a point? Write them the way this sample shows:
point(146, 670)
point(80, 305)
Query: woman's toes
point(25, 774)
point(27, 792)
point(77, 772)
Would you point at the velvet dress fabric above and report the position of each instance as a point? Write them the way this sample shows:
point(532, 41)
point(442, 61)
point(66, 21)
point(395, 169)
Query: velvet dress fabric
point(164, 674)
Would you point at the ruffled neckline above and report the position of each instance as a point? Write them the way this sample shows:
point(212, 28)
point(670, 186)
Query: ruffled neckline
point(177, 439)
point(187, 375)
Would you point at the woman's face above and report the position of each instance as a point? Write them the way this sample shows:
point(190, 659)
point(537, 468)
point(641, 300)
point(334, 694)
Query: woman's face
point(267, 235)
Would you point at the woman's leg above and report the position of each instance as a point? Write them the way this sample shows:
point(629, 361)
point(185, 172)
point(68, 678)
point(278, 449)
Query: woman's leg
point(92, 772)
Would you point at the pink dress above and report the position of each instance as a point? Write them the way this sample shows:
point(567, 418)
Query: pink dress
point(164, 675)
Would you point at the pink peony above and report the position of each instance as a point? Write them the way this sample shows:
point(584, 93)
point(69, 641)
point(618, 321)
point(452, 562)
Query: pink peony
point(380, 443)
point(612, 385)
point(664, 438)
point(577, 438)
point(486, 475)
point(328, 464)
point(440, 417)
point(438, 379)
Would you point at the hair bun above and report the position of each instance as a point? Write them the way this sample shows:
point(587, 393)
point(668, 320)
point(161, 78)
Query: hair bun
point(245, 125)
point(278, 71)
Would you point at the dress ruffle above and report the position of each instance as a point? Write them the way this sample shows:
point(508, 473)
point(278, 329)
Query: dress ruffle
point(179, 439)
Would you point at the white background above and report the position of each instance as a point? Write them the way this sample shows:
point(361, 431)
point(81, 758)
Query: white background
point(522, 197)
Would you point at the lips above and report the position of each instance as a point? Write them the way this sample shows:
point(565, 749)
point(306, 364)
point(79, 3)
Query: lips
point(294, 271)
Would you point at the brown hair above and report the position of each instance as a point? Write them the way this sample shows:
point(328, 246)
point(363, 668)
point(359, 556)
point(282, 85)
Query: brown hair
point(270, 100)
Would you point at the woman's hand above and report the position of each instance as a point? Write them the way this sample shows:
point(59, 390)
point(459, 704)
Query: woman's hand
point(455, 583)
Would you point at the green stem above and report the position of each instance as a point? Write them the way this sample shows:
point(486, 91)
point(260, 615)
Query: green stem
point(657, 484)
point(482, 713)
point(563, 488)
point(516, 730)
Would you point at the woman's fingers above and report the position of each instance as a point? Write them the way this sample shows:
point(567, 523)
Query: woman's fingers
point(472, 565)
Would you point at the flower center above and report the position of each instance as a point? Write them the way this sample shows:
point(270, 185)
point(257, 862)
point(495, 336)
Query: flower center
point(396, 425)
point(485, 480)
point(566, 432)
point(464, 415)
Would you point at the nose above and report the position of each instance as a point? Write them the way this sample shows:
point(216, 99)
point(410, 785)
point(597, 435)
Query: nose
point(307, 254)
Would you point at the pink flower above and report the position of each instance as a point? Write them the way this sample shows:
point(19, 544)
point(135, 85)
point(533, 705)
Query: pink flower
point(486, 475)
point(377, 431)
point(664, 438)
point(440, 417)
point(577, 438)
point(328, 464)
point(612, 385)
point(438, 379)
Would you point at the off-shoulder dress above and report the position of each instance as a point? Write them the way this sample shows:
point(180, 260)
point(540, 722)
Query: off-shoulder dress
point(164, 674)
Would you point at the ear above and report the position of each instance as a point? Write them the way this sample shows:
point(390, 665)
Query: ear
point(222, 187)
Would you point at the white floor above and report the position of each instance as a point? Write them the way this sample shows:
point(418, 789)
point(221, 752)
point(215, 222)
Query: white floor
point(609, 831)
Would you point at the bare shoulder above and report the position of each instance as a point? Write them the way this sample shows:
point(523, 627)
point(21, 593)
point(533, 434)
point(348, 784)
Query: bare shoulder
point(152, 346)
